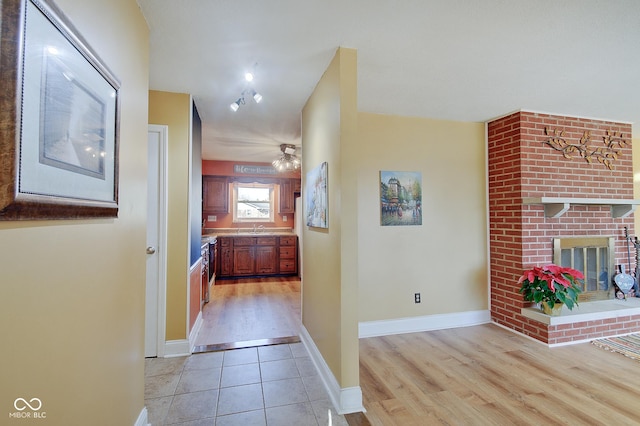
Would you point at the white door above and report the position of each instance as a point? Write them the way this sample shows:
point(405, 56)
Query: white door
point(156, 226)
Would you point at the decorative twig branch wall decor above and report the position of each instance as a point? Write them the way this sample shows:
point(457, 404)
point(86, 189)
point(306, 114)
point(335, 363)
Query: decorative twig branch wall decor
point(613, 141)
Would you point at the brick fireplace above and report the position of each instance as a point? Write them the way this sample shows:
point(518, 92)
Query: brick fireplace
point(536, 194)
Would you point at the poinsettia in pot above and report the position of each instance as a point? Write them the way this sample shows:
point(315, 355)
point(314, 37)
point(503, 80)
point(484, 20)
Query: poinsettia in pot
point(551, 286)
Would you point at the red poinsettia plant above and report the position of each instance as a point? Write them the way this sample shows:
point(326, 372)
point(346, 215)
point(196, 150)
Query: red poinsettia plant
point(552, 284)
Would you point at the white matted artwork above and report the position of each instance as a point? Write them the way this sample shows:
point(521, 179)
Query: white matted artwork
point(400, 198)
point(316, 197)
point(60, 152)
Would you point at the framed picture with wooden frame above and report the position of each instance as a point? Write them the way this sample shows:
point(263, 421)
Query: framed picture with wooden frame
point(59, 119)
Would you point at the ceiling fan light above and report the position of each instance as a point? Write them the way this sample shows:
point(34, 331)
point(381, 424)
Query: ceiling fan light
point(257, 97)
point(287, 160)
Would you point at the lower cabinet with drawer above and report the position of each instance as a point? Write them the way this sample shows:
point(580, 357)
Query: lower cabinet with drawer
point(242, 256)
point(288, 255)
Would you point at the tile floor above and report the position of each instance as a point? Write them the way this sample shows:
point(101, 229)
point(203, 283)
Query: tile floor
point(268, 385)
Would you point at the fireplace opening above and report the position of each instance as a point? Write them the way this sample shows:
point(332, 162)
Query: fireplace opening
point(594, 257)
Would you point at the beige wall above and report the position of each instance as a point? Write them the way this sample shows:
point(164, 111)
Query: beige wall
point(358, 270)
point(445, 259)
point(329, 133)
point(174, 110)
point(72, 292)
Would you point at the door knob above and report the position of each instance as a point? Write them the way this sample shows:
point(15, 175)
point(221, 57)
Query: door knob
point(151, 250)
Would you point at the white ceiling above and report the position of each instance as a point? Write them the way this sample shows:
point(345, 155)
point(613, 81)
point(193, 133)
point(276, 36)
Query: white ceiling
point(463, 60)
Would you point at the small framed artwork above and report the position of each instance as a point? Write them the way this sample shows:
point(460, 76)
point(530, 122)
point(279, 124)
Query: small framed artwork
point(400, 198)
point(59, 155)
point(316, 210)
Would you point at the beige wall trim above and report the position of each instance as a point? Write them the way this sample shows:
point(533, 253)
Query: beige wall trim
point(423, 323)
point(344, 400)
point(143, 418)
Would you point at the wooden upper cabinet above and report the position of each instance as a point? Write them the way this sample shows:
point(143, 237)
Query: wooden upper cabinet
point(286, 196)
point(215, 194)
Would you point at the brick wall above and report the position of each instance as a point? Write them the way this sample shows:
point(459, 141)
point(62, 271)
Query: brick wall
point(521, 165)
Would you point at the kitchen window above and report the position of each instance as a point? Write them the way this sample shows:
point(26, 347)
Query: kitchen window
point(253, 202)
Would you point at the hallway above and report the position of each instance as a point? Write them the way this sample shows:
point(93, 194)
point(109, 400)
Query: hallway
point(250, 367)
point(274, 385)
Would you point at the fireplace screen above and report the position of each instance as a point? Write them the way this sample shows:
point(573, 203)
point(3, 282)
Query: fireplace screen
point(594, 257)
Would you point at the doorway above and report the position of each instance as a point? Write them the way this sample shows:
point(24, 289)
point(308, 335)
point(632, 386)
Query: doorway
point(250, 312)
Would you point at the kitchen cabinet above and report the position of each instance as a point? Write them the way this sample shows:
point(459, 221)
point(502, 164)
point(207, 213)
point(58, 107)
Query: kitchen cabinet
point(254, 256)
point(243, 263)
point(213, 257)
point(242, 256)
point(265, 257)
point(225, 260)
point(288, 255)
point(286, 196)
point(215, 194)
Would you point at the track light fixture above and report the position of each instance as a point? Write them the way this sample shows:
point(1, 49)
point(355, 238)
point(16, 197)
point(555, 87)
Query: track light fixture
point(248, 91)
point(288, 161)
point(234, 106)
point(257, 97)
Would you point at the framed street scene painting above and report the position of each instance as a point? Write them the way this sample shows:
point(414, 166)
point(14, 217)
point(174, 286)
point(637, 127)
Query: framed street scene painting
point(400, 198)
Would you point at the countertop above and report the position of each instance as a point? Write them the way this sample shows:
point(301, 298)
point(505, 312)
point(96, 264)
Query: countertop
point(212, 234)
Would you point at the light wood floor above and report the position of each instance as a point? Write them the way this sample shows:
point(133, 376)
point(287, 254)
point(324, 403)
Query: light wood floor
point(486, 375)
point(483, 375)
point(251, 309)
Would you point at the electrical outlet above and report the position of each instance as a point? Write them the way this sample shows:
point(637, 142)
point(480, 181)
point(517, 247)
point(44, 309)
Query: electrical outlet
point(212, 218)
point(416, 297)
point(284, 218)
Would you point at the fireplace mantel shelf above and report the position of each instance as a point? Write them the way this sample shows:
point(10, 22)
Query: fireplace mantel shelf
point(556, 207)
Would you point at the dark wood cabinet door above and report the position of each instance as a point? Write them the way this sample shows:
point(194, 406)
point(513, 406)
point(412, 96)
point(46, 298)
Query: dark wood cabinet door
point(243, 262)
point(215, 194)
point(266, 259)
point(286, 196)
point(226, 268)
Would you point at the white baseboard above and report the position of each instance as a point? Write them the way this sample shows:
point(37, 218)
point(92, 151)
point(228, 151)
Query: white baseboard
point(194, 332)
point(143, 418)
point(173, 348)
point(422, 323)
point(344, 400)
point(183, 347)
